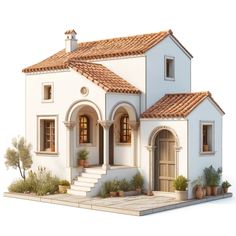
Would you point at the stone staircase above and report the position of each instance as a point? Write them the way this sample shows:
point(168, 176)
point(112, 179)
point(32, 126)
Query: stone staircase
point(85, 184)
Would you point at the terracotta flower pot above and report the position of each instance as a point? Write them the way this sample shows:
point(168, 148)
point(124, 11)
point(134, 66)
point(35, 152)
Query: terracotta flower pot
point(113, 194)
point(181, 195)
point(121, 193)
point(204, 191)
point(199, 192)
point(63, 188)
point(208, 190)
point(225, 190)
point(138, 190)
point(81, 163)
point(214, 190)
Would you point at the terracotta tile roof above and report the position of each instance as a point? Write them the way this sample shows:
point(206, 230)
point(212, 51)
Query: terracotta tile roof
point(103, 77)
point(116, 47)
point(70, 31)
point(177, 105)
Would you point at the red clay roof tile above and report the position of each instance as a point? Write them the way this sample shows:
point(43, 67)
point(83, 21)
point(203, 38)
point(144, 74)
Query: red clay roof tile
point(115, 47)
point(177, 105)
point(103, 77)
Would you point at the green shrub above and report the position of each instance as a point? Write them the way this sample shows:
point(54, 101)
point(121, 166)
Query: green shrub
point(83, 154)
point(180, 183)
point(40, 183)
point(64, 182)
point(226, 184)
point(212, 176)
point(18, 186)
point(137, 181)
point(106, 189)
point(123, 185)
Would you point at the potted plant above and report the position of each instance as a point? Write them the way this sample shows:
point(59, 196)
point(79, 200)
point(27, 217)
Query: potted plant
point(63, 186)
point(180, 184)
point(208, 176)
point(114, 187)
point(225, 185)
point(198, 187)
point(83, 157)
point(123, 187)
point(137, 181)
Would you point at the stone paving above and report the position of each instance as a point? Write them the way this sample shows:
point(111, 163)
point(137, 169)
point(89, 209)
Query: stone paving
point(133, 205)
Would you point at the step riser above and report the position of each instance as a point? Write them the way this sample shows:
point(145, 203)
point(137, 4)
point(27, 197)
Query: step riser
point(79, 188)
point(87, 180)
point(83, 184)
point(95, 171)
point(91, 175)
point(75, 192)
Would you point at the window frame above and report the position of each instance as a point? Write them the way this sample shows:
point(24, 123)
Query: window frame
point(43, 92)
point(212, 124)
point(88, 130)
point(41, 132)
point(165, 68)
point(124, 131)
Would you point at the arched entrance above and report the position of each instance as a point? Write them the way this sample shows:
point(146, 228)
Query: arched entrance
point(164, 161)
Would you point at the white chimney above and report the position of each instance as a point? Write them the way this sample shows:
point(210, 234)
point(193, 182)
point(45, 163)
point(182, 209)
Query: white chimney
point(71, 41)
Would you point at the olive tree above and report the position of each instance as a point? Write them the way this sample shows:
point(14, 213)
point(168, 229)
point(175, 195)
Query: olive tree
point(19, 155)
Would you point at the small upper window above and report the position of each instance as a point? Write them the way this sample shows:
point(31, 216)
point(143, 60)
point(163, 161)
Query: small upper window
point(169, 68)
point(125, 130)
point(207, 138)
point(47, 92)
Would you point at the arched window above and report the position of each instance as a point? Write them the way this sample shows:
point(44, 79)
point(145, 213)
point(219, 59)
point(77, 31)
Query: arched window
point(125, 130)
point(84, 129)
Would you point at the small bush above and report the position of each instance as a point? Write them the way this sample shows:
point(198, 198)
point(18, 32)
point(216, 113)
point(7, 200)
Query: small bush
point(106, 189)
point(123, 185)
point(40, 183)
point(137, 181)
point(180, 183)
point(64, 182)
point(226, 184)
point(19, 186)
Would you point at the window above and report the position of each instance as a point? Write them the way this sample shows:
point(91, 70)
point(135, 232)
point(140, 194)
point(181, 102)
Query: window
point(206, 137)
point(47, 135)
point(84, 129)
point(47, 93)
point(169, 68)
point(125, 130)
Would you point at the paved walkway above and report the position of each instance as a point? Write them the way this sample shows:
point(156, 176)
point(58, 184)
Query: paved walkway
point(135, 205)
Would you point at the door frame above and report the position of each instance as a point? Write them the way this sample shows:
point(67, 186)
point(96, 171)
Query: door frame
point(152, 148)
point(156, 162)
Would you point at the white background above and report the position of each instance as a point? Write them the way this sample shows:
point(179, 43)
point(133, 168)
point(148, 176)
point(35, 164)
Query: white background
point(33, 30)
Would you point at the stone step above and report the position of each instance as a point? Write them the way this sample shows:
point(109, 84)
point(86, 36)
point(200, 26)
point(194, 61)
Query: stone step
point(80, 188)
point(91, 175)
point(99, 171)
point(76, 192)
point(87, 180)
point(83, 184)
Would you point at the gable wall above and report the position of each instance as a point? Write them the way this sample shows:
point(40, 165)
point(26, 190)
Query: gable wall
point(132, 69)
point(157, 86)
point(67, 87)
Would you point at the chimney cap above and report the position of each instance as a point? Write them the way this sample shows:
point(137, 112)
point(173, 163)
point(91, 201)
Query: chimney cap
point(70, 32)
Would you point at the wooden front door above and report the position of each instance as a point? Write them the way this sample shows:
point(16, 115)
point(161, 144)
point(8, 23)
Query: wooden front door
point(165, 162)
point(111, 145)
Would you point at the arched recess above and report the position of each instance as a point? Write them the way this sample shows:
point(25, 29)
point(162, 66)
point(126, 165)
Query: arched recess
point(76, 106)
point(164, 158)
point(128, 107)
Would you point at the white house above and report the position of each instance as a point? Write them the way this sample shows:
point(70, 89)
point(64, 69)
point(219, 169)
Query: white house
point(128, 101)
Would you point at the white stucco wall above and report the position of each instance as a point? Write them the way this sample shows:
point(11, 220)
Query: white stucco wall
point(67, 87)
point(206, 111)
point(132, 69)
point(157, 86)
point(146, 128)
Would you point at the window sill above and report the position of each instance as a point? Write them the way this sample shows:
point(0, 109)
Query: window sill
point(47, 153)
point(169, 79)
point(86, 145)
point(207, 153)
point(123, 144)
point(47, 101)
